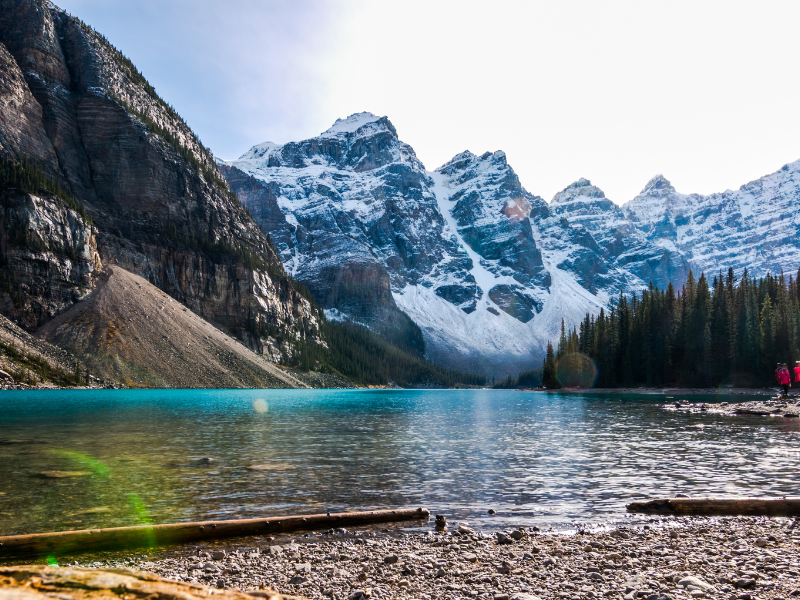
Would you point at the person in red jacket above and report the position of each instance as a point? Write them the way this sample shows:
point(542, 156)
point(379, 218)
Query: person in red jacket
point(784, 379)
point(797, 372)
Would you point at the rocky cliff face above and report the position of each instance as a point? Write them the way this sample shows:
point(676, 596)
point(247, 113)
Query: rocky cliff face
point(76, 107)
point(48, 257)
point(606, 247)
point(352, 216)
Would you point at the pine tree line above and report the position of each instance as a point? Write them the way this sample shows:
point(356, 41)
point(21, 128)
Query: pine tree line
point(731, 332)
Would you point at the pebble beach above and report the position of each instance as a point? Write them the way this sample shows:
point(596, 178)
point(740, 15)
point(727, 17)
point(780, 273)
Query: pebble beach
point(675, 558)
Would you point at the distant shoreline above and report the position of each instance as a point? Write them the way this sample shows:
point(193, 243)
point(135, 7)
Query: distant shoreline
point(664, 391)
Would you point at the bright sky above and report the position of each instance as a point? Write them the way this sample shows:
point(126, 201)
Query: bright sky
point(616, 91)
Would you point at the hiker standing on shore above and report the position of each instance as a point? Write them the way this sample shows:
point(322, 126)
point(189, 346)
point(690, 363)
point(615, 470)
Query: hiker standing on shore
point(784, 379)
point(797, 372)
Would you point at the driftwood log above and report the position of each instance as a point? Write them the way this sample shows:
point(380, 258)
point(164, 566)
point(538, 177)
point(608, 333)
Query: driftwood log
point(755, 507)
point(150, 536)
point(46, 583)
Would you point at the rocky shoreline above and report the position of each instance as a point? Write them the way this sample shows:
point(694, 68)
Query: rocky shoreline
point(722, 391)
point(774, 406)
point(675, 558)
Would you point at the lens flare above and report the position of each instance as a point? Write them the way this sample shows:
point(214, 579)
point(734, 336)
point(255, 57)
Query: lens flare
point(576, 370)
point(260, 406)
point(97, 468)
point(142, 516)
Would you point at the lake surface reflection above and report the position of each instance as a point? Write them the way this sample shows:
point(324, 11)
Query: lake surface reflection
point(76, 459)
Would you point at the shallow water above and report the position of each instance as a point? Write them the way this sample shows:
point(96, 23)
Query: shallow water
point(138, 456)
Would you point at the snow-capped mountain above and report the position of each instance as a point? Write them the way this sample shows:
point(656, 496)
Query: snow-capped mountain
point(483, 267)
point(756, 226)
point(606, 248)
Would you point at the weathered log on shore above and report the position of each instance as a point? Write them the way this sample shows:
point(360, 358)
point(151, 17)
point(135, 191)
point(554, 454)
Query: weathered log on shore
point(752, 507)
point(150, 536)
point(37, 582)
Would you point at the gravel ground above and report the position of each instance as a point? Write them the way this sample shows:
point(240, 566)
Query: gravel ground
point(737, 558)
point(128, 330)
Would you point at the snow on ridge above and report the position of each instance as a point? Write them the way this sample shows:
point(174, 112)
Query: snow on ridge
point(485, 279)
point(350, 124)
point(582, 188)
point(260, 151)
point(657, 184)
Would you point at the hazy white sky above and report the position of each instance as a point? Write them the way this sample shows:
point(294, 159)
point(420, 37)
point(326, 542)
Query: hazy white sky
point(617, 91)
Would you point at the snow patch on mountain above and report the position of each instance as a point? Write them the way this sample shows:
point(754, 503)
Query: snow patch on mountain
point(485, 279)
point(351, 124)
point(488, 333)
point(260, 151)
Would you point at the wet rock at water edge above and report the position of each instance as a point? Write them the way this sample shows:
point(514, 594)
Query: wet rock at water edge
point(463, 529)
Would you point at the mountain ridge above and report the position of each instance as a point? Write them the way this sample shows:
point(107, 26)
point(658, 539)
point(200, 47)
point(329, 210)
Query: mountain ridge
point(495, 267)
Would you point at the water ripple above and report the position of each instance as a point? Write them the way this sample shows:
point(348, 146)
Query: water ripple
point(542, 459)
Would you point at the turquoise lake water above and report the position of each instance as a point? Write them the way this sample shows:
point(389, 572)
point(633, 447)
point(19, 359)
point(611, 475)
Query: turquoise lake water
point(541, 459)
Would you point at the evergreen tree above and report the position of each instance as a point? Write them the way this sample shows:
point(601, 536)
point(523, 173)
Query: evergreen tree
point(731, 331)
point(549, 379)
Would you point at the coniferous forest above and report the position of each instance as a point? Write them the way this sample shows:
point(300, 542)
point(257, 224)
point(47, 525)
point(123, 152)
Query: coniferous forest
point(727, 331)
point(365, 358)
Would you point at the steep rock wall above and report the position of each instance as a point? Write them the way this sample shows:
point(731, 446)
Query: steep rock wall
point(48, 258)
point(84, 114)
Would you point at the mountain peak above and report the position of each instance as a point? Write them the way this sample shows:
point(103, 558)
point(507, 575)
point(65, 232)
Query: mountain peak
point(582, 182)
point(262, 150)
point(582, 187)
point(352, 123)
point(498, 156)
point(658, 184)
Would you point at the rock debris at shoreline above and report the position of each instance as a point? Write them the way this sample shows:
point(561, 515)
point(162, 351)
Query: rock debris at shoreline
point(778, 407)
point(737, 558)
